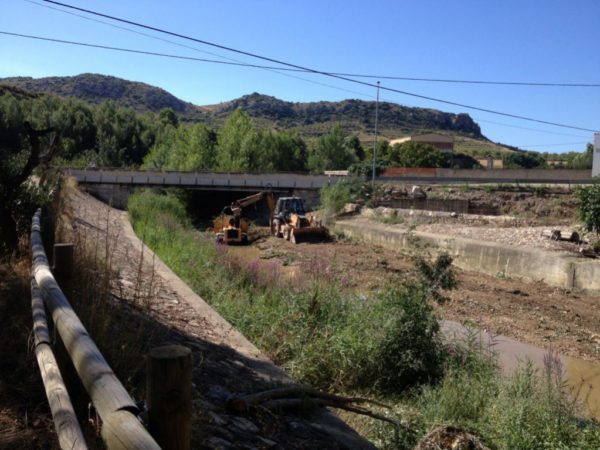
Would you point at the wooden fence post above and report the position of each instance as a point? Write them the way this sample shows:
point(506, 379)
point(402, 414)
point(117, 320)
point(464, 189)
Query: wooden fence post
point(169, 396)
point(121, 428)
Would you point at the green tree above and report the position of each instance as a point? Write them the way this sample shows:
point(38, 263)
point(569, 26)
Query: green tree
point(121, 137)
point(25, 132)
point(523, 160)
point(589, 206)
point(576, 160)
point(188, 148)
point(352, 142)
point(282, 152)
point(167, 116)
point(415, 154)
point(238, 145)
point(332, 152)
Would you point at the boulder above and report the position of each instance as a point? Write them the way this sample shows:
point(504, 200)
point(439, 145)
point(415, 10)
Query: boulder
point(351, 208)
point(417, 192)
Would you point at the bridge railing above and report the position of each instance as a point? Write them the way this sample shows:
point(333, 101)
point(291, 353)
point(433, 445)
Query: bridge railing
point(260, 181)
point(121, 428)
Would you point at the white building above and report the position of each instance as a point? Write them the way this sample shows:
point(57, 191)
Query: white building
point(596, 160)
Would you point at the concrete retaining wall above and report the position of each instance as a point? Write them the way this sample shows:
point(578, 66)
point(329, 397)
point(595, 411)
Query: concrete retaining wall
point(551, 175)
point(553, 268)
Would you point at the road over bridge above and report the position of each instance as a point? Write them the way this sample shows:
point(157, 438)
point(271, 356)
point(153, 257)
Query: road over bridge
point(203, 180)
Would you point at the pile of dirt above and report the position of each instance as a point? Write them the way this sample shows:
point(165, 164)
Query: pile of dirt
point(535, 205)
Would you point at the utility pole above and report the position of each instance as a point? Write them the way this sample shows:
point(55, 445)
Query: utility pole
point(375, 143)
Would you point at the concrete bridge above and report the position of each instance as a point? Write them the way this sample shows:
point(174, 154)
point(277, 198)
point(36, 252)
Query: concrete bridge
point(114, 185)
point(203, 180)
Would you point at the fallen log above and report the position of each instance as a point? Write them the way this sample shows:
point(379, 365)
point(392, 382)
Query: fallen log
point(301, 398)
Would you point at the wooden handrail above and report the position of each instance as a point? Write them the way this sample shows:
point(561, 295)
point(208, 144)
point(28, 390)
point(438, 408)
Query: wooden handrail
point(121, 428)
point(67, 427)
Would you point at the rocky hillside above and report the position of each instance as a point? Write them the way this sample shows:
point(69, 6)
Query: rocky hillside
point(357, 115)
point(96, 88)
point(309, 119)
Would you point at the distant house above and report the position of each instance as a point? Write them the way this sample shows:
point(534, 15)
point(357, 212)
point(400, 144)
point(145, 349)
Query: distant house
point(490, 162)
point(443, 143)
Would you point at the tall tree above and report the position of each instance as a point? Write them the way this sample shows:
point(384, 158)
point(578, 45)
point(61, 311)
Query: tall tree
point(238, 143)
point(24, 145)
point(415, 154)
point(188, 148)
point(332, 152)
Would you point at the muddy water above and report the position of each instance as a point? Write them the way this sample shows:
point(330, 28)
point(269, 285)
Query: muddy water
point(582, 378)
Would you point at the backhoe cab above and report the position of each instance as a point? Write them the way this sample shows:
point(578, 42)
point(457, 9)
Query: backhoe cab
point(291, 222)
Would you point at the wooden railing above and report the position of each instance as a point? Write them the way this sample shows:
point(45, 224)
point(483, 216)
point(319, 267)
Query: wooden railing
point(121, 428)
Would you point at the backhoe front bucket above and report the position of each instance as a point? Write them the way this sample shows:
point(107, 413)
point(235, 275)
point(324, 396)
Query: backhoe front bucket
point(308, 234)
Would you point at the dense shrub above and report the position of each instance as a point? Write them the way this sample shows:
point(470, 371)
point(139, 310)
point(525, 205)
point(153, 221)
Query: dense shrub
point(589, 206)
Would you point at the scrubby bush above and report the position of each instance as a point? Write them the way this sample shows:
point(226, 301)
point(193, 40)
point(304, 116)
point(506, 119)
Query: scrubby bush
point(589, 207)
point(406, 347)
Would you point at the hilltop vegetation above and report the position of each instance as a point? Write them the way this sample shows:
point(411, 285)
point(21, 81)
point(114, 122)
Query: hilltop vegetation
point(310, 120)
point(95, 88)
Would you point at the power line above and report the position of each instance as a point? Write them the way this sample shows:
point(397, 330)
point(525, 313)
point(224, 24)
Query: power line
point(355, 75)
point(485, 82)
point(550, 145)
point(238, 62)
point(351, 80)
point(477, 119)
point(182, 57)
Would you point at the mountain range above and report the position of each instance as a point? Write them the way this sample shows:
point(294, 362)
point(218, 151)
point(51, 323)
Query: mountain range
point(309, 119)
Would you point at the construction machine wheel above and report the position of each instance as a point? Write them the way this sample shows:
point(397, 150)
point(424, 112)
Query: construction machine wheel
point(276, 229)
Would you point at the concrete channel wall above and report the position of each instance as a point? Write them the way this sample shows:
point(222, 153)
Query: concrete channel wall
point(553, 268)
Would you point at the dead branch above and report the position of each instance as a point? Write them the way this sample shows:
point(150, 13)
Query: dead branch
point(301, 398)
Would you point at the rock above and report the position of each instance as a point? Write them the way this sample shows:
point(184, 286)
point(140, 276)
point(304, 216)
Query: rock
point(369, 213)
point(243, 424)
point(351, 208)
point(453, 214)
point(417, 192)
point(216, 392)
point(267, 442)
point(218, 443)
point(217, 419)
point(389, 212)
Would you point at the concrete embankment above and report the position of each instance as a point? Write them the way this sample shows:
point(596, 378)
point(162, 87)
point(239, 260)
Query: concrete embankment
point(554, 268)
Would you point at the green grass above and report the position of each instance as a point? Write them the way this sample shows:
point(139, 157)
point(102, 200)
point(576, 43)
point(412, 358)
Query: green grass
point(384, 344)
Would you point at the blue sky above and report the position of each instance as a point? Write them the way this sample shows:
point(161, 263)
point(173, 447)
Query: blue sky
point(526, 40)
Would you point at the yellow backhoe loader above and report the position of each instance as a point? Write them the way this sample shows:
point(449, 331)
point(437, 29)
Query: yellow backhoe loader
point(231, 227)
point(291, 222)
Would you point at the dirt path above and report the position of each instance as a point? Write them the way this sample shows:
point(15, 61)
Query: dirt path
point(535, 313)
point(225, 362)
